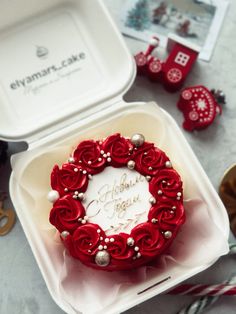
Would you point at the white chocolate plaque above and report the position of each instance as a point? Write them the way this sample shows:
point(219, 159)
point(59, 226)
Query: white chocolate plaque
point(117, 199)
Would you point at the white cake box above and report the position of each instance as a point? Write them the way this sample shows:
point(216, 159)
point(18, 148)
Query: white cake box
point(64, 69)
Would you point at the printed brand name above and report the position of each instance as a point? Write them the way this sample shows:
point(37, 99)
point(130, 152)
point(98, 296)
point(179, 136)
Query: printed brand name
point(74, 58)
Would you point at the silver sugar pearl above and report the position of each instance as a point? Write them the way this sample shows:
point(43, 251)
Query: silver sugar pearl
point(137, 139)
point(159, 192)
point(167, 234)
point(81, 196)
point(130, 241)
point(71, 160)
point(102, 258)
point(131, 164)
point(136, 248)
point(148, 178)
point(168, 164)
point(154, 220)
point(138, 255)
point(152, 200)
point(100, 247)
point(64, 234)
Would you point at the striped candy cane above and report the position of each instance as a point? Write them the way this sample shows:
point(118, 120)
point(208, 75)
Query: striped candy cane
point(199, 305)
point(204, 290)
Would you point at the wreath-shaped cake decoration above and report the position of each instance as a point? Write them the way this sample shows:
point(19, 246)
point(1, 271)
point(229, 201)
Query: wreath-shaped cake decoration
point(87, 241)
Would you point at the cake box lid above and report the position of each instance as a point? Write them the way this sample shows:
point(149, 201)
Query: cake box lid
point(59, 62)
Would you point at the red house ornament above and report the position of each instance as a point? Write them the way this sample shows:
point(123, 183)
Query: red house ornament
point(179, 62)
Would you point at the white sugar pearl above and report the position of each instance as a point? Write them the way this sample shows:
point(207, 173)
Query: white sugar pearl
point(53, 196)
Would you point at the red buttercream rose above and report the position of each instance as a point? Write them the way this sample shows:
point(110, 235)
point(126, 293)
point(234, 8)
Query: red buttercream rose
point(88, 155)
point(69, 178)
point(166, 185)
point(149, 159)
point(65, 213)
point(170, 215)
point(118, 148)
point(119, 249)
point(86, 239)
point(148, 239)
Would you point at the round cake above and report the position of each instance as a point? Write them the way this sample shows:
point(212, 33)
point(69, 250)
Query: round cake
point(117, 202)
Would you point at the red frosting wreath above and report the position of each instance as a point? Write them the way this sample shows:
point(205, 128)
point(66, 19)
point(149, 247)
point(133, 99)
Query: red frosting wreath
point(87, 241)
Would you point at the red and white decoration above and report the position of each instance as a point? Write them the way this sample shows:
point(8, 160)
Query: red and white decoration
point(173, 71)
point(179, 63)
point(199, 107)
point(142, 58)
point(155, 69)
point(87, 241)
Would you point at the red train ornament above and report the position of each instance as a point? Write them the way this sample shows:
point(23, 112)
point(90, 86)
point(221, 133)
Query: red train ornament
point(199, 107)
point(179, 62)
point(155, 69)
point(142, 58)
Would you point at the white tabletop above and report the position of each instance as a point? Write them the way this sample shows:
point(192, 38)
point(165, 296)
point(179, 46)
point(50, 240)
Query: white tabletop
point(22, 289)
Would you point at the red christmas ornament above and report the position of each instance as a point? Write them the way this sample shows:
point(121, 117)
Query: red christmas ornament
point(179, 63)
point(199, 107)
point(142, 58)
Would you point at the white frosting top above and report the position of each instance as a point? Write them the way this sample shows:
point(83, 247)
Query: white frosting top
point(117, 199)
